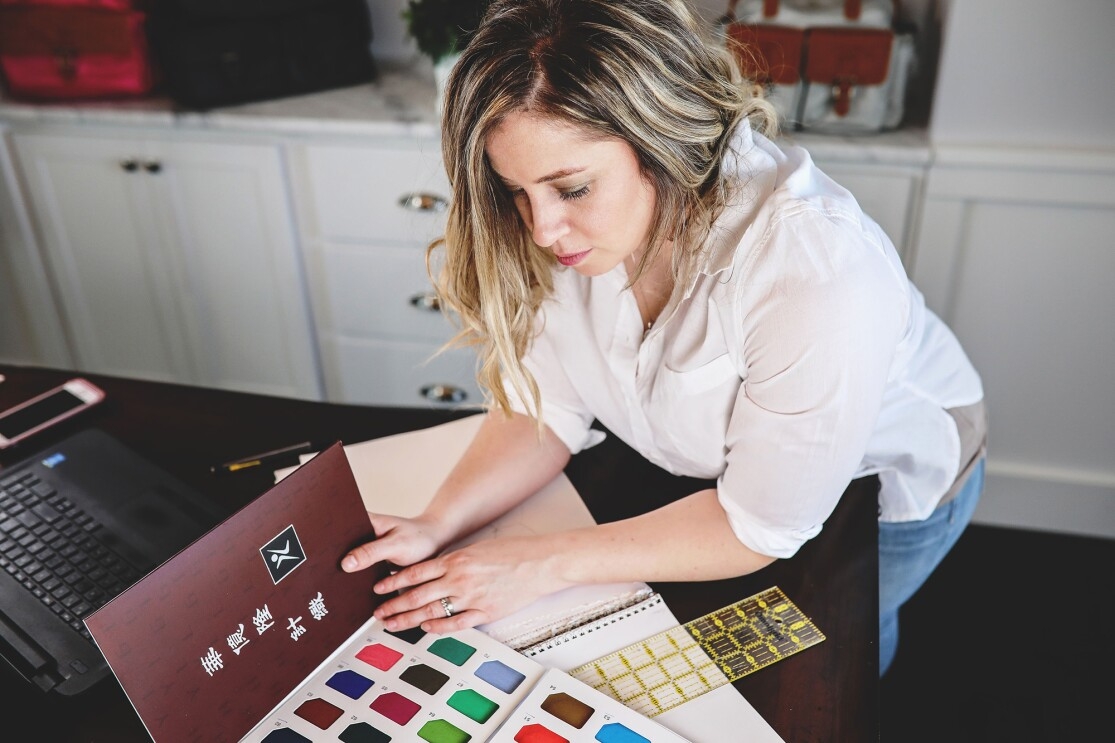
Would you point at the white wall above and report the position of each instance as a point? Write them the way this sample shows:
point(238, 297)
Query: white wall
point(1014, 247)
point(1027, 73)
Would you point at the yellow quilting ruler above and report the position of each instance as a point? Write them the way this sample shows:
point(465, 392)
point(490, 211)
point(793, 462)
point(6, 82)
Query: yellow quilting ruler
point(682, 663)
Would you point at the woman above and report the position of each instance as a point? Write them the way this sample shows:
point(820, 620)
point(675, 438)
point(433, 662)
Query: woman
point(625, 244)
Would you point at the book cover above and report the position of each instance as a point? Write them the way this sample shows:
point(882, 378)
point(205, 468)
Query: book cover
point(254, 633)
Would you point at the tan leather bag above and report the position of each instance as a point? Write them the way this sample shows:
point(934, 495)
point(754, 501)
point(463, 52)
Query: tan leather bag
point(836, 66)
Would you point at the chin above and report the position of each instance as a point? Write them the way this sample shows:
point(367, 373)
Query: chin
point(590, 270)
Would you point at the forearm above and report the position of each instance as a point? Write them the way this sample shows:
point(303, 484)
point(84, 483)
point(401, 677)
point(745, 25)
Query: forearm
point(505, 463)
point(687, 540)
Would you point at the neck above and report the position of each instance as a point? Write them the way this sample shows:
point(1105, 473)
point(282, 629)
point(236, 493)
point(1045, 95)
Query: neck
point(653, 288)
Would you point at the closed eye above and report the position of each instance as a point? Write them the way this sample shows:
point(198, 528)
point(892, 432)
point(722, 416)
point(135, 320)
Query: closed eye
point(577, 194)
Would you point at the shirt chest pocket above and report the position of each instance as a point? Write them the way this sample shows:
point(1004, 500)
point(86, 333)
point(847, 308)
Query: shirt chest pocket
point(693, 409)
point(684, 383)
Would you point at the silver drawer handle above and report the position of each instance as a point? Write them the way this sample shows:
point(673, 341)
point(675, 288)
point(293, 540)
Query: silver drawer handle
point(443, 393)
point(428, 302)
point(423, 202)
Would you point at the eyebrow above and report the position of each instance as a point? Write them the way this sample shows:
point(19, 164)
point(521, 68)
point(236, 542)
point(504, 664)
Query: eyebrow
point(556, 175)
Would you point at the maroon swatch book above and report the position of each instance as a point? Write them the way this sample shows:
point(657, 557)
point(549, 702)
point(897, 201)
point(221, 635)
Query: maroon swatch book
point(210, 641)
point(253, 633)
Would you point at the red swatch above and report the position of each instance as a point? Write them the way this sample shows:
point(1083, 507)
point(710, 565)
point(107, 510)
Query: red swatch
point(380, 656)
point(538, 734)
point(396, 708)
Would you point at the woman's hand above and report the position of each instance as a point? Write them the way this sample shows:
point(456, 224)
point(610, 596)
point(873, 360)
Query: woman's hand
point(481, 582)
point(398, 541)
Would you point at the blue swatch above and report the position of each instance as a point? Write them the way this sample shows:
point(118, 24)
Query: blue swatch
point(615, 732)
point(349, 683)
point(503, 677)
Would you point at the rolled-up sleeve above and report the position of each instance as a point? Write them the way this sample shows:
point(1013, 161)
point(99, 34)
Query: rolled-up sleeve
point(563, 410)
point(817, 345)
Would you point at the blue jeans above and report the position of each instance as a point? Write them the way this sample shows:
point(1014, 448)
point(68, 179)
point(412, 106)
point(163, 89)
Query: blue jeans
point(910, 550)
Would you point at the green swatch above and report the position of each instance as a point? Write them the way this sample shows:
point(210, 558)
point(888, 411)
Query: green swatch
point(452, 650)
point(440, 731)
point(473, 705)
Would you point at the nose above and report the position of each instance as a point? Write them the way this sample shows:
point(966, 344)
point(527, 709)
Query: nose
point(548, 223)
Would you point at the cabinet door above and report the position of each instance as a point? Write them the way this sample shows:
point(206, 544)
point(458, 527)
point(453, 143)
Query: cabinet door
point(174, 260)
point(102, 246)
point(1014, 252)
point(31, 330)
point(242, 296)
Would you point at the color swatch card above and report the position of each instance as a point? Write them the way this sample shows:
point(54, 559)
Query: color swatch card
point(409, 686)
point(561, 709)
point(456, 688)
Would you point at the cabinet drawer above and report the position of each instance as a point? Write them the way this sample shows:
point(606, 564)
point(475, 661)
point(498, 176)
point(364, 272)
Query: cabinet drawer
point(377, 193)
point(380, 291)
point(399, 373)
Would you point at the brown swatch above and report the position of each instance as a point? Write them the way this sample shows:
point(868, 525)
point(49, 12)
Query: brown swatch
point(567, 709)
point(423, 677)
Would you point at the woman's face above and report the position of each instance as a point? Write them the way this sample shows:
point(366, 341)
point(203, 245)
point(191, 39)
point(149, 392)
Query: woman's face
point(584, 199)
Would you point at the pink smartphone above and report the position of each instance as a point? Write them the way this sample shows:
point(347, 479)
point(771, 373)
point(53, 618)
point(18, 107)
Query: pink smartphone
point(43, 411)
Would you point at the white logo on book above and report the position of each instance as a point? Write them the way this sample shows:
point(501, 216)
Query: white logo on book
point(283, 554)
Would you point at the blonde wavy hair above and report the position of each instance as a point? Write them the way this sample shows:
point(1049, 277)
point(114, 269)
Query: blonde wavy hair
point(643, 71)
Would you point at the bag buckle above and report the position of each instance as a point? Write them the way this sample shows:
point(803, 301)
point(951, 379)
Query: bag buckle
point(66, 59)
point(842, 91)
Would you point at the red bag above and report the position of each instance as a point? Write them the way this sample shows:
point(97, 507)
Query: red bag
point(767, 54)
point(845, 57)
point(75, 49)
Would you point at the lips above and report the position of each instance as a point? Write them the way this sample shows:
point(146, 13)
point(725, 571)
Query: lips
point(573, 259)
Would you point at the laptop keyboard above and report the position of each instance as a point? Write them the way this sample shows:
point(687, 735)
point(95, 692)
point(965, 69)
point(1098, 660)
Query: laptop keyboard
point(49, 545)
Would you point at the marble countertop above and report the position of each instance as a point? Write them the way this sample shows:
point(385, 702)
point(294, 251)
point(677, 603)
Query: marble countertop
point(400, 102)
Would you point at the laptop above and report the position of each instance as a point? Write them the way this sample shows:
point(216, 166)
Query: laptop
point(80, 522)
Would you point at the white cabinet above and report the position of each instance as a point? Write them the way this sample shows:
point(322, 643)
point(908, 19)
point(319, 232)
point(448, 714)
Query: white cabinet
point(31, 330)
point(173, 258)
point(1014, 251)
point(368, 210)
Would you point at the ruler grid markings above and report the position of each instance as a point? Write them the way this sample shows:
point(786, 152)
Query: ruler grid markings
point(684, 662)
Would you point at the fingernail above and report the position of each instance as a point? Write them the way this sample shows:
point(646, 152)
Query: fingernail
point(349, 563)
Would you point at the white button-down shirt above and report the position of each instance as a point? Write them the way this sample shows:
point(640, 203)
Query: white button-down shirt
point(798, 357)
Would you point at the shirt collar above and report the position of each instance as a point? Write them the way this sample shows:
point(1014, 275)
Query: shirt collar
point(719, 249)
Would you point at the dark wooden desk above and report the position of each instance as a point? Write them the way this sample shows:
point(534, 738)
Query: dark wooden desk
point(826, 693)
